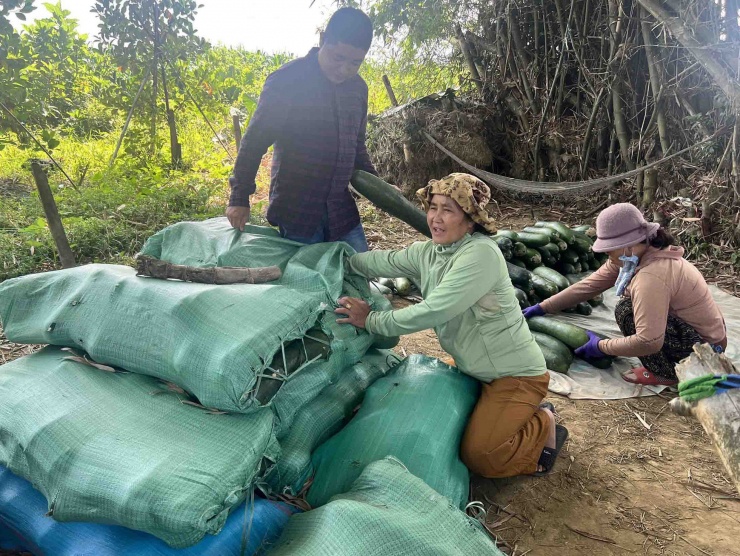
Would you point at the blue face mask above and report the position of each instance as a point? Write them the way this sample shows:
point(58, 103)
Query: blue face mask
point(629, 266)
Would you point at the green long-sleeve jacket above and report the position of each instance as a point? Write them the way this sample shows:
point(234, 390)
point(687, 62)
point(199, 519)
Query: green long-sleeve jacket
point(468, 300)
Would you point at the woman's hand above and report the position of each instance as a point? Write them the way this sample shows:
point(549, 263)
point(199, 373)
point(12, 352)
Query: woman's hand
point(356, 310)
point(534, 311)
point(590, 348)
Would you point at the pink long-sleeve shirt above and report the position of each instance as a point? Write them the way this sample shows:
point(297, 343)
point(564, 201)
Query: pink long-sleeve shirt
point(664, 283)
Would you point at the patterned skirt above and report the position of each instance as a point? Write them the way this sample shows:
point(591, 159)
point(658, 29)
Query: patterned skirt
point(678, 344)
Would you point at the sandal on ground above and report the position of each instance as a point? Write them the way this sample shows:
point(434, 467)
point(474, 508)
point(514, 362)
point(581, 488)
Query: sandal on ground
point(548, 405)
point(641, 375)
point(549, 455)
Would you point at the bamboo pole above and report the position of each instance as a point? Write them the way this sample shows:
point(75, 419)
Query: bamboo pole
point(469, 58)
point(655, 80)
point(128, 121)
point(66, 257)
point(650, 186)
point(522, 62)
point(710, 60)
point(620, 125)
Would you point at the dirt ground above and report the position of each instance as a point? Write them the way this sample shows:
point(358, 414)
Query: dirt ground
point(623, 484)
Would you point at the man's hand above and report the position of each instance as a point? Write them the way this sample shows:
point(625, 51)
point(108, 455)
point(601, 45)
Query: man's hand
point(356, 311)
point(238, 217)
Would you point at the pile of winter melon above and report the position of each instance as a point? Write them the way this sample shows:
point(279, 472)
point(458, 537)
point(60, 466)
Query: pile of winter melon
point(542, 260)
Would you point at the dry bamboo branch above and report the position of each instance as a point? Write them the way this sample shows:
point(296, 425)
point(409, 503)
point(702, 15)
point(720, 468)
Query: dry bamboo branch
point(156, 268)
point(522, 62)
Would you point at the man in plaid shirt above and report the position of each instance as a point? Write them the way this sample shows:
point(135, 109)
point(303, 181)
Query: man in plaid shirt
point(314, 111)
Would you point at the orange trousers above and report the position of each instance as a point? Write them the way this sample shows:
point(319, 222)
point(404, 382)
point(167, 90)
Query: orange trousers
point(507, 430)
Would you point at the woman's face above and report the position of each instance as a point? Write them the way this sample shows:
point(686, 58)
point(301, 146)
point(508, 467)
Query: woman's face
point(447, 221)
point(638, 250)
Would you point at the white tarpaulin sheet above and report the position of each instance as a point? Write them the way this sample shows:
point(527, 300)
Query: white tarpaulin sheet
point(586, 382)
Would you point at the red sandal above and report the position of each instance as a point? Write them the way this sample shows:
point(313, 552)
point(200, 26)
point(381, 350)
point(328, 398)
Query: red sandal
point(641, 375)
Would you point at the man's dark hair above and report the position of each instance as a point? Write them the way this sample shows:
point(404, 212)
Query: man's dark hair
point(350, 26)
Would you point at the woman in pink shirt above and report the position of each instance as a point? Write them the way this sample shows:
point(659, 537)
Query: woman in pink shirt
point(665, 307)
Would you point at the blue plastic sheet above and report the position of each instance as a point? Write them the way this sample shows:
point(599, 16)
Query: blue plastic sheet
point(24, 526)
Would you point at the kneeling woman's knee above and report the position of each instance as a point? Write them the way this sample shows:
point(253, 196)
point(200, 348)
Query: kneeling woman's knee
point(482, 458)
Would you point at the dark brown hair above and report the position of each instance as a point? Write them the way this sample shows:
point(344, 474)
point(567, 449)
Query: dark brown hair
point(663, 239)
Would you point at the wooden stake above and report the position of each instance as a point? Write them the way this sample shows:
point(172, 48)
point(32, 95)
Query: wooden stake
point(237, 130)
point(66, 257)
point(389, 90)
point(407, 154)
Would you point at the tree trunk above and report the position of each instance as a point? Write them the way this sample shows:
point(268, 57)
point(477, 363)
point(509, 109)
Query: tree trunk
point(156, 268)
point(731, 27)
point(66, 257)
point(175, 147)
point(718, 414)
point(155, 84)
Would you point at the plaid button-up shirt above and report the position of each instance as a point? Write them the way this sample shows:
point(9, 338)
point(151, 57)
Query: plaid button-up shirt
point(318, 129)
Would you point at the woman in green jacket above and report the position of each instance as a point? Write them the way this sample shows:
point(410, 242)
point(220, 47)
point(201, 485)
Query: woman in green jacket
point(470, 303)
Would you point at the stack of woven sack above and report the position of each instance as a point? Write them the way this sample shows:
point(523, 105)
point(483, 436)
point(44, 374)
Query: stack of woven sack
point(158, 405)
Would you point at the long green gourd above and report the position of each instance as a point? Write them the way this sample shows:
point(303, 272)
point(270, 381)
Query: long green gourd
point(387, 198)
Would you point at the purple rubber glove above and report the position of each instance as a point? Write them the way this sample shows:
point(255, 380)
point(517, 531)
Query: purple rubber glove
point(590, 348)
point(533, 311)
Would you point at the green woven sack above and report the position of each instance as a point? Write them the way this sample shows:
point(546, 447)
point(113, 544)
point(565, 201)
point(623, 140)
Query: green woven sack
point(211, 340)
point(417, 413)
point(387, 512)
point(219, 343)
point(322, 417)
point(122, 449)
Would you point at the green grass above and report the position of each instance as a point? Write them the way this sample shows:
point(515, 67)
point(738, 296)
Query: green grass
point(112, 213)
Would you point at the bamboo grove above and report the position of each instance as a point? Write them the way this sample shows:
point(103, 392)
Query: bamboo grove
point(585, 88)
